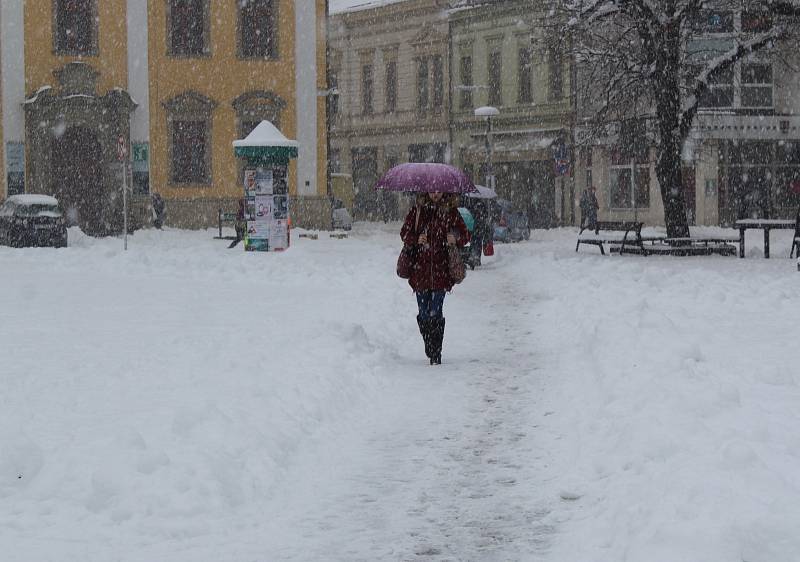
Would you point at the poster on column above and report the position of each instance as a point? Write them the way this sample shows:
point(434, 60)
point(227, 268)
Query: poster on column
point(263, 208)
point(279, 234)
point(249, 182)
point(264, 182)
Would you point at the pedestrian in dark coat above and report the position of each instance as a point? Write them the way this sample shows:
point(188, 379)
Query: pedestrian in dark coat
point(159, 210)
point(589, 206)
point(439, 225)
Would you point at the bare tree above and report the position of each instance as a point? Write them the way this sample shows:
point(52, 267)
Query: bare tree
point(654, 59)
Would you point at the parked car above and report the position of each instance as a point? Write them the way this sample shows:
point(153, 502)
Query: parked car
point(341, 216)
point(512, 225)
point(32, 220)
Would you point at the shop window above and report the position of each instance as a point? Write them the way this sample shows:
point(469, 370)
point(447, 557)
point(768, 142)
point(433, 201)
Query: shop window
point(75, 27)
point(189, 29)
point(630, 187)
point(258, 30)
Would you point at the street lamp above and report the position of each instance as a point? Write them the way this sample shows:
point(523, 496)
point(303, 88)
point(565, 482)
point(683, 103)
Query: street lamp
point(487, 112)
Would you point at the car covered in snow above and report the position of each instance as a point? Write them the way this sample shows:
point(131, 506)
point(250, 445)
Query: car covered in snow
point(32, 220)
point(512, 225)
point(341, 216)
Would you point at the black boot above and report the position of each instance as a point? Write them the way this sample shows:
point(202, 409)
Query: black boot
point(425, 327)
point(437, 337)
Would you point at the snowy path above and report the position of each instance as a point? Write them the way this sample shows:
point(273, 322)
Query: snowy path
point(450, 476)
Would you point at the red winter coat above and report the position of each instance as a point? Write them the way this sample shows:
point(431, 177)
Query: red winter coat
point(431, 269)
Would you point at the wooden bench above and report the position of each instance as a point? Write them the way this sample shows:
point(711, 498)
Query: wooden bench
point(796, 240)
point(632, 235)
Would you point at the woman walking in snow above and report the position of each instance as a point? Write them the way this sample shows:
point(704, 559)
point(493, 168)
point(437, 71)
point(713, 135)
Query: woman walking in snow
point(439, 224)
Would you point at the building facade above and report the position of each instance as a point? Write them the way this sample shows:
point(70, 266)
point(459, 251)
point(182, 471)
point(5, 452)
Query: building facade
point(742, 158)
point(389, 73)
point(503, 58)
point(179, 81)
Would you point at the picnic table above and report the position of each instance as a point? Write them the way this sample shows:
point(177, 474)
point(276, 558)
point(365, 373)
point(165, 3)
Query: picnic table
point(766, 225)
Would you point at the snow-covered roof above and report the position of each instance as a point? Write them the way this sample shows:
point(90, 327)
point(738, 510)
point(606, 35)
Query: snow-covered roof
point(265, 134)
point(37, 93)
point(338, 6)
point(33, 199)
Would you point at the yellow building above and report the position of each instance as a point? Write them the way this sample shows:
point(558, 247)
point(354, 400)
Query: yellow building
point(179, 81)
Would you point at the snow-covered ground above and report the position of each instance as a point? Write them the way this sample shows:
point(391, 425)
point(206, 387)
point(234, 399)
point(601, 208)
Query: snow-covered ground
point(186, 402)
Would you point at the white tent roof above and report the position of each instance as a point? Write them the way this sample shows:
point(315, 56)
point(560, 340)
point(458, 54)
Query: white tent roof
point(265, 134)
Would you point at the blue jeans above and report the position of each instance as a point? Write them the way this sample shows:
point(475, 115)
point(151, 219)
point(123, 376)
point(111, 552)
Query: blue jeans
point(430, 303)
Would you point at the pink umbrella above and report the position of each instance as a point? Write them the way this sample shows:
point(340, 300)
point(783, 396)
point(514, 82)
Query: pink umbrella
point(426, 178)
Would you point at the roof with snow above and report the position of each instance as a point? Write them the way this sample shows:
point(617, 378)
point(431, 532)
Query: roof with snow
point(265, 134)
point(338, 6)
point(32, 199)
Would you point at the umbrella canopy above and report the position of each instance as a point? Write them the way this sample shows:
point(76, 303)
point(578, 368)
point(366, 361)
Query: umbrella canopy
point(483, 193)
point(426, 178)
point(467, 217)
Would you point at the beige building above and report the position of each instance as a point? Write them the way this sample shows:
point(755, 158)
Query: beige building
point(389, 102)
point(500, 59)
point(742, 158)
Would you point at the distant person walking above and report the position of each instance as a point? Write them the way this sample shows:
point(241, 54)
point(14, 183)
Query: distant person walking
point(438, 226)
point(589, 208)
point(481, 233)
point(159, 210)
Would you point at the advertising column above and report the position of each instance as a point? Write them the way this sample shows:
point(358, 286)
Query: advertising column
point(267, 209)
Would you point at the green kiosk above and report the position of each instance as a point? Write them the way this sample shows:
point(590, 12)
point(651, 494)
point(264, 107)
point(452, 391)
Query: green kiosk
point(266, 187)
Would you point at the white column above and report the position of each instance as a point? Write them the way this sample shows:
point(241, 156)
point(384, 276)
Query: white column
point(138, 70)
point(306, 83)
point(12, 73)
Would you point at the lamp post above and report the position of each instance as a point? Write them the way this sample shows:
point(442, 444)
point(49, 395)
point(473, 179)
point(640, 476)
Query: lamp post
point(487, 112)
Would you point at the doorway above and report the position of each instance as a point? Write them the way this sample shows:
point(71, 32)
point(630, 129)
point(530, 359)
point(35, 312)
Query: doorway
point(78, 180)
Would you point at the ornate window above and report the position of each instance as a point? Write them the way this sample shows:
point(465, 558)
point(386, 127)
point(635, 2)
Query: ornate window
point(495, 68)
point(75, 25)
point(437, 68)
point(423, 85)
point(188, 28)
point(465, 69)
point(525, 76)
point(366, 89)
point(189, 125)
point(391, 86)
point(258, 29)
